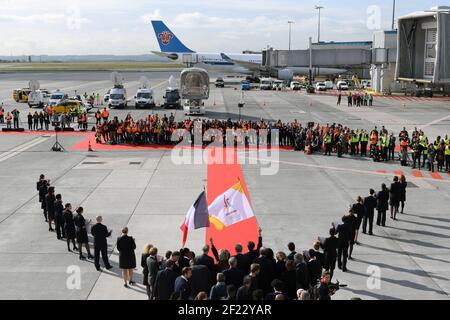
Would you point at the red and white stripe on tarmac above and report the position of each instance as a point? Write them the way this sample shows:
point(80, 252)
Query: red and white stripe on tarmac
point(420, 174)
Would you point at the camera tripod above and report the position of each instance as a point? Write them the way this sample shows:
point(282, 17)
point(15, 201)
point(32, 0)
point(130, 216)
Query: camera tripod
point(57, 147)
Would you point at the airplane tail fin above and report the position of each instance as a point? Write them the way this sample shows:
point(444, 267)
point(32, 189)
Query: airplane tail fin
point(168, 41)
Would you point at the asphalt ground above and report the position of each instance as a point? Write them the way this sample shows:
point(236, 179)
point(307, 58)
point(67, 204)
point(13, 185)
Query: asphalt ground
point(148, 192)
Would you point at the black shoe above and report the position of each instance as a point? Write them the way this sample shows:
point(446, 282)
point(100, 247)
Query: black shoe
point(68, 249)
point(82, 258)
point(350, 258)
point(109, 267)
point(344, 270)
point(99, 269)
point(75, 248)
point(131, 282)
point(126, 286)
point(364, 232)
point(370, 234)
point(90, 257)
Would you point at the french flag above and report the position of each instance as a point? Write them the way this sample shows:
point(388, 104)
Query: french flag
point(197, 216)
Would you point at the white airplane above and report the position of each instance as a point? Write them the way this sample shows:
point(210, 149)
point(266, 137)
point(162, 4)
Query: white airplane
point(250, 64)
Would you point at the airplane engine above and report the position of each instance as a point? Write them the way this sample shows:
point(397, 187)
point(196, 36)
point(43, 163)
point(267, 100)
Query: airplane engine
point(285, 74)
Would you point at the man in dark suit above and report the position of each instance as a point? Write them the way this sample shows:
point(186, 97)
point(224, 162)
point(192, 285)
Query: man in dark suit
point(277, 286)
point(100, 233)
point(205, 259)
point(233, 275)
point(302, 273)
point(165, 282)
point(244, 292)
point(243, 263)
point(330, 252)
point(344, 235)
point(267, 270)
point(314, 268)
point(201, 279)
point(291, 247)
point(252, 254)
point(59, 218)
point(153, 268)
point(182, 285)
point(370, 203)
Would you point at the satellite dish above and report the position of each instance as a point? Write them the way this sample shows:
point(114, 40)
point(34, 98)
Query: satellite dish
point(34, 85)
point(145, 83)
point(116, 78)
point(172, 82)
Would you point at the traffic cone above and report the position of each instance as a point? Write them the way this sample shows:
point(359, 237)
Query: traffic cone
point(90, 147)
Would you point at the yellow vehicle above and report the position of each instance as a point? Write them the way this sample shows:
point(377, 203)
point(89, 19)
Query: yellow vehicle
point(73, 107)
point(21, 95)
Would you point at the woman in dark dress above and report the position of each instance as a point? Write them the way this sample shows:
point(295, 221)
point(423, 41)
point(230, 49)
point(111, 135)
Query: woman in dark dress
point(127, 257)
point(81, 234)
point(50, 199)
point(69, 226)
point(43, 190)
point(403, 185)
point(144, 256)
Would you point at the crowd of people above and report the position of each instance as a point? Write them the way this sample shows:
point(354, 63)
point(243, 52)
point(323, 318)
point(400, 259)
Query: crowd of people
point(378, 144)
point(257, 274)
point(357, 99)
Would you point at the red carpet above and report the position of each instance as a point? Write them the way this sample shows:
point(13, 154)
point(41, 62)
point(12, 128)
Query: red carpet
point(220, 178)
point(83, 146)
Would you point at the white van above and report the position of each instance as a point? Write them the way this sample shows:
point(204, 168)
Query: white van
point(266, 84)
point(329, 85)
point(342, 85)
point(56, 97)
point(278, 85)
point(144, 98)
point(117, 97)
point(38, 98)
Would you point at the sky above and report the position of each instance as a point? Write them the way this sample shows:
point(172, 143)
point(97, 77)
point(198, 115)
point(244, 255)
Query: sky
point(56, 27)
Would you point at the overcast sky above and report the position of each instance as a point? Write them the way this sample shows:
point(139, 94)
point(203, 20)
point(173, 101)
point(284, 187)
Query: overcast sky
point(123, 27)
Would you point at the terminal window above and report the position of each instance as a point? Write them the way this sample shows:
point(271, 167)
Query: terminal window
point(430, 52)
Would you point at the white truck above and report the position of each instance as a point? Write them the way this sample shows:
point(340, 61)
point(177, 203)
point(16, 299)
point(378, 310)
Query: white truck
point(117, 97)
point(38, 98)
point(144, 98)
point(266, 84)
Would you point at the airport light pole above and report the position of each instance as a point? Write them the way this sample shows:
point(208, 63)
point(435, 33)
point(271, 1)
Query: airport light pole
point(393, 14)
point(318, 31)
point(290, 25)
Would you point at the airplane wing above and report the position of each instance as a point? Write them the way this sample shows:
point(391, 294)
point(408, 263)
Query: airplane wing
point(252, 66)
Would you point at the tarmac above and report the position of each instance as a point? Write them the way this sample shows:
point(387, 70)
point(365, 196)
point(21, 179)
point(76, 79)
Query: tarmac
point(146, 191)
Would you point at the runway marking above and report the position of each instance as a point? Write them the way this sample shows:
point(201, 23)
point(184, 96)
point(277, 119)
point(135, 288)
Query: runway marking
point(21, 148)
point(436, 176)
point(417, 174)
point(309, 165)
point(399, 173)
point(434, 122)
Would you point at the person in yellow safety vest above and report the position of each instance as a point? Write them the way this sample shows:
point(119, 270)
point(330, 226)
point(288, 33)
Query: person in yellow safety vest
point(8, 120)
point(357, 139)
point(385, 146)
point(447, 156)
point(328, 144)
point(425, 152)
point(353, 141)
point(364, 139)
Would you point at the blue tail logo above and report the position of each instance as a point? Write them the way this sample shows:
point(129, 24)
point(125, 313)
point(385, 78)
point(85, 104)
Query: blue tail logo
point(168, 41)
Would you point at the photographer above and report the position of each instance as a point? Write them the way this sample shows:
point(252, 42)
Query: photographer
point(326, 288)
